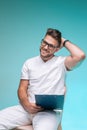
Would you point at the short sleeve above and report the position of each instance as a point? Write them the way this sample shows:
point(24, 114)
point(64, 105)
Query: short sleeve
point(61, 60)
point(25, 71)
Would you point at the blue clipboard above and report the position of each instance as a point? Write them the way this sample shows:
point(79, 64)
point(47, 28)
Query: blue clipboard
point(50, 102)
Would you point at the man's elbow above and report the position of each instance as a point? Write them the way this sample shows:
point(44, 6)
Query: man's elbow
point(82, 56)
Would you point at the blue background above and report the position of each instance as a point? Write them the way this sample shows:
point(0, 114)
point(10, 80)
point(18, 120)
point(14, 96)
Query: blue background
point(23, 24)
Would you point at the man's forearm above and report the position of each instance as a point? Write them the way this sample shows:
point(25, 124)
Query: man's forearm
point(76, 54)
point(74, 50)
point(23, 98)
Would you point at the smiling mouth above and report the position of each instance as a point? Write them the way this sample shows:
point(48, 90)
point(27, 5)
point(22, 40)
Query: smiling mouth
point(44, 51)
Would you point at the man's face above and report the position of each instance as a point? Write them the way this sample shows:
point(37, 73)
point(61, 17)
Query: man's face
point(48, 47)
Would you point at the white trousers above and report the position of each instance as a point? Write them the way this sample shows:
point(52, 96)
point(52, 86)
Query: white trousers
point(16, 116)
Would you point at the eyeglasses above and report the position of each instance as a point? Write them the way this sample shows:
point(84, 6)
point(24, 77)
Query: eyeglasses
point(50, 46)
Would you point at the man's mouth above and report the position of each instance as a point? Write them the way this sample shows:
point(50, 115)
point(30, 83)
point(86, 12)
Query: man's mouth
point(44, 51)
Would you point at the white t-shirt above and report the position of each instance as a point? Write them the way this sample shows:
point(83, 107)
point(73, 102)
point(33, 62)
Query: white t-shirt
point(44, 77)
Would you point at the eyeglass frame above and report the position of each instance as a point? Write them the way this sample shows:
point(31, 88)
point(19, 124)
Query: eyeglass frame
point(44, 43)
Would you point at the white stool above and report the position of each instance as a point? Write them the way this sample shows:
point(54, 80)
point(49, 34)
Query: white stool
point(29, 127)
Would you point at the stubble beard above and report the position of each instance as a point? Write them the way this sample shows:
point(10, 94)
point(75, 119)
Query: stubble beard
point(47, 56)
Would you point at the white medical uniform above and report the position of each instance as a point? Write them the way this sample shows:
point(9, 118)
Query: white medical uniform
point(44, 78)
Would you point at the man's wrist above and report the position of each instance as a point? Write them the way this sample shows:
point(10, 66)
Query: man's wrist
point(65, 42)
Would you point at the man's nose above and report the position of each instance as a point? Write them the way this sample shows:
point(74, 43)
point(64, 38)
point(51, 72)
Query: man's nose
point(46, 46)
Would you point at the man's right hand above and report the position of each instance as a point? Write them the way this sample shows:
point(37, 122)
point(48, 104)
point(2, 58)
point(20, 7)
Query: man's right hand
point(23, 97)
point(33, 108)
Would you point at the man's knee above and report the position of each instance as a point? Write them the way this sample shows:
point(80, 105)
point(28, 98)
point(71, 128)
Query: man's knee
point(46, 121)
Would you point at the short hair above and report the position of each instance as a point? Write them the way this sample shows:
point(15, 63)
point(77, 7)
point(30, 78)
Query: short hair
point(56, 34)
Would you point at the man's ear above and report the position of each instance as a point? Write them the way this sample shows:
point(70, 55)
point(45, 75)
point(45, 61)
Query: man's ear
point(57, 49)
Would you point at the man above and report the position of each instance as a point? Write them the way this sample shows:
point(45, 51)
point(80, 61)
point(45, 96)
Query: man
point(44, 74)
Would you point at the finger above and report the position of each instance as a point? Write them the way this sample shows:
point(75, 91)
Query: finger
point(37, 110)
point(36, 107)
